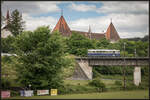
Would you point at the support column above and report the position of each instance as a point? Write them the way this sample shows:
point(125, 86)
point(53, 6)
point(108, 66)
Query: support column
point(137, 75)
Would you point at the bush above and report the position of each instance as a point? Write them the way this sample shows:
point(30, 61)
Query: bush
point(97, 83)
point(131, 86)
point(96, 74)
point(6, 44)
point(14, 93)
point(118, 83)
point(5, 83)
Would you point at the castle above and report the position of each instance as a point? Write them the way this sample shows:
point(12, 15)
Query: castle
point(111, 34)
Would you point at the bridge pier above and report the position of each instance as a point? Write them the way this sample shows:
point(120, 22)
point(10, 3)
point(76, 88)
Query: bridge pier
point(137, 75)
point(82, 71)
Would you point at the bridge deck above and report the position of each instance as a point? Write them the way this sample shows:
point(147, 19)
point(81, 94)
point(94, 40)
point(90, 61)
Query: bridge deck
point(113, 61)
point(112, 58)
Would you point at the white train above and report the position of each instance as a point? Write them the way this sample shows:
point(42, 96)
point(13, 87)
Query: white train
point(104, 52)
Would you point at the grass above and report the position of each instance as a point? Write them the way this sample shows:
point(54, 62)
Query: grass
point(117, 77)
point(76, 82)
point(108, 83)
point(138, 94)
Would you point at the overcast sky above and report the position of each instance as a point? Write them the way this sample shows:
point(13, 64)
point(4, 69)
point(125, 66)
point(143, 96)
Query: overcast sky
point(130, 18)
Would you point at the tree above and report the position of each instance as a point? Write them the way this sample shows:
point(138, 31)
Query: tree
point(9, 73)
point(79, 44)
point(103, 43)
point(41, 57)
point(6, 44)
point(16, 24)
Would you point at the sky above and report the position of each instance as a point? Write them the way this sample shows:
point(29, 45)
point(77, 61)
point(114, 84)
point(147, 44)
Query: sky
point(130, 18)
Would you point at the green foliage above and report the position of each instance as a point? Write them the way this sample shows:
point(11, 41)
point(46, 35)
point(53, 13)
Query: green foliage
point(68, 71)
point(142, 48)
point(16, 24)
point(14, 93)
point(41, 56)
point(119, 83)
point(103, 43)
point(96, 74)
point(9, 73)
point(5, 83)
point(97, 83)
point(79, 44)
point(6, 44)
point(114, 70)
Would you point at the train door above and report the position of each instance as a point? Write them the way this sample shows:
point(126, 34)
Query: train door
point(113, 53)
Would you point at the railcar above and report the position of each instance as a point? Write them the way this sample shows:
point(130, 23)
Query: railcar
point(104, 52)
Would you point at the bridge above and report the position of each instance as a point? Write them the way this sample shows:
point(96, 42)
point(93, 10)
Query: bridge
point(115, 61)
point(83, 69)
point(85, 64)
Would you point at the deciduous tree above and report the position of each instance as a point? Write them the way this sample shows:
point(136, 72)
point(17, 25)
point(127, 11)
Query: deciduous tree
point(41, 56)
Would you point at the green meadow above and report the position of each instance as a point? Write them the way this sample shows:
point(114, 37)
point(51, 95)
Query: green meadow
point(138, 94)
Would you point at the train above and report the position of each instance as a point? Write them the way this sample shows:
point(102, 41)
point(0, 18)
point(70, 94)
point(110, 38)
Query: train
point(103, 53)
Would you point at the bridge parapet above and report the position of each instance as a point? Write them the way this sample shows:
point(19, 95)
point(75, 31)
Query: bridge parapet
point(114, 61)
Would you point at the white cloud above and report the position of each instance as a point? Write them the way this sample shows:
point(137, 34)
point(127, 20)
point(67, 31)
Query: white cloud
point(82, 7)
point(32, 7)
point(138, 7)
point(32, 23)
point(48, 6)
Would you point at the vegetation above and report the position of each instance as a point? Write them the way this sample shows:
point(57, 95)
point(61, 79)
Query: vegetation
point(145, 38)
point(78, 44)
point(6, 44)
point(46, 59)
point(136, 94)
point(9, 74)
point(16, 24)
point(97, 83)
point(41, 58)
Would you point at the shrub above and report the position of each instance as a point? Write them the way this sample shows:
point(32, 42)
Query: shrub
point(118, 83)
point(15, 93)
point(97, 83)
point(131, 86)
point(5, 83)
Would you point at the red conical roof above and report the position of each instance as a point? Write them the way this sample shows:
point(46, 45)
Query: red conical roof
point(62, 27)
point(111, 33)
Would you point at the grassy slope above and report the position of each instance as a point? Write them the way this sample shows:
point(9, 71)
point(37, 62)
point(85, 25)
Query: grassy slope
point(108, 83)
point(139, 94)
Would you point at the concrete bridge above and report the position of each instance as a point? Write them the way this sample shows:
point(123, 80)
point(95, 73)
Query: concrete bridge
point(83, 70)
point(115, 61)
point(84, 66)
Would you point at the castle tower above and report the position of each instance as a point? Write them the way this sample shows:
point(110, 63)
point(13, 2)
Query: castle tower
point(62, 26)
point(111, 33)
